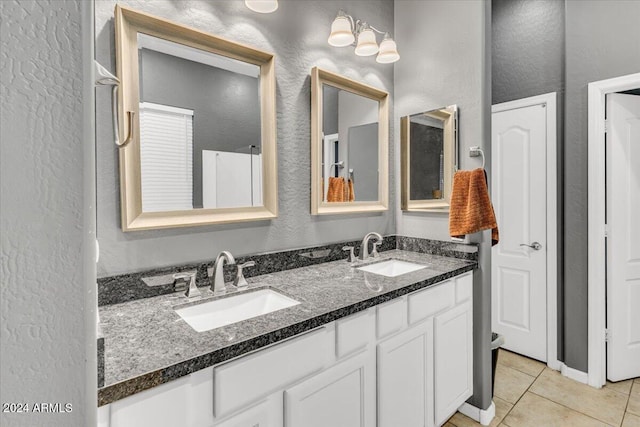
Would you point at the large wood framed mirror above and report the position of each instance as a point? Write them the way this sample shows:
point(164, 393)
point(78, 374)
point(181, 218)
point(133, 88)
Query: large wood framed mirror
point(429, 153)
point(349, 145)
point(201, 112)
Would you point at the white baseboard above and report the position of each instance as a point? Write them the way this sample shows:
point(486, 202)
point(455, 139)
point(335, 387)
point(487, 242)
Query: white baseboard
point(574, 374)
point(483, 416)
point(556, 365)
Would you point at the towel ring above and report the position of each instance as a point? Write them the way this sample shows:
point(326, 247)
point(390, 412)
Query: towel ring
point(339, 164)
point(476, 151)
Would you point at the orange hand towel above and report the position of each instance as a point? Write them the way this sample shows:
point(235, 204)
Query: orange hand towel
point(349, 195)
point(335, 193)
point(471, 209)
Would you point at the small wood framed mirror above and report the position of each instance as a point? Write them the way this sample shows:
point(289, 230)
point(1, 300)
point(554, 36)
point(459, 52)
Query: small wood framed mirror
point(349, 145)
point(201, 112)
point(429, 158)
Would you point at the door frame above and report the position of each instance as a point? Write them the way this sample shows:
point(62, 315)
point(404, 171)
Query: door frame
point(597, 284)
point(550, 99)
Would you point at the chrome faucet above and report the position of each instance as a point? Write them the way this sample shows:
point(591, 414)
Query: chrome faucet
point(217, 284)
point(364, 247)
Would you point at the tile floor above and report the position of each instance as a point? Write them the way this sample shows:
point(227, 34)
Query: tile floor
point(528, 394)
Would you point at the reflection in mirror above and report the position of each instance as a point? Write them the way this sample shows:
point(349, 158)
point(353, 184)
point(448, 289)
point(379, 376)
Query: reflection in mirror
point(201, 113)
point(349, 146)
point(429, 146)
point(199, 128)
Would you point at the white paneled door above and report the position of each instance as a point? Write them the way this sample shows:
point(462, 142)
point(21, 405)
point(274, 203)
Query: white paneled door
point(519, 265)
point(623, 240)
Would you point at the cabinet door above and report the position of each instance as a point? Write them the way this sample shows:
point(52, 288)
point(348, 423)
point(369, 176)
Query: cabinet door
point(341, 396)
point(453, 349)
point(164, 405)
point(405, 378)
point(264, 414)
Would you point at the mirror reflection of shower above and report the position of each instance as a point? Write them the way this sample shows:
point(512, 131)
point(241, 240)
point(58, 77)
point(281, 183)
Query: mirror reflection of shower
point(232, 179)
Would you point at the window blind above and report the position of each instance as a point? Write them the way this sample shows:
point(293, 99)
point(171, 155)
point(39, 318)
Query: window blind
point(166, 157)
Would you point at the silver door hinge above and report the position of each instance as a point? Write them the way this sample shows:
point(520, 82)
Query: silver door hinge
point(606, 230)
point(607, 335)
point(606, 126)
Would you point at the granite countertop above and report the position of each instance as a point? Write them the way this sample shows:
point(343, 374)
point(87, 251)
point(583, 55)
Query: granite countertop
point(146, 343)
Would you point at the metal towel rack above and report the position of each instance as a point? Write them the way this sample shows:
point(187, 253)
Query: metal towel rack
point(339, 164)
point(476, 151)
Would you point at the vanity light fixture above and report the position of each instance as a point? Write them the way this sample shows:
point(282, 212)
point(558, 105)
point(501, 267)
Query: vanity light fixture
point(262, 6)
point(347, 31)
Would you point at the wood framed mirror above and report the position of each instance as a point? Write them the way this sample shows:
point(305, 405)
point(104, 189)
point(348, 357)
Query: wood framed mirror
point(349, 145)
point(429, 158)
point(201, 112)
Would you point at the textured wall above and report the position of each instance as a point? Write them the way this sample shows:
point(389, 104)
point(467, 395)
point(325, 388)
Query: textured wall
point(42, 323)
point(527, 55)
point(527, 59)
point(440, 65)
point(297, 33)
point(445, 60)
point(602, 42)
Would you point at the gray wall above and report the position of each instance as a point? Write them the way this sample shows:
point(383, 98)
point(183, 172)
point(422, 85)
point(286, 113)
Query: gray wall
point(297, 34)
point(527, 55)
point(546, 46)
point(441, 64)
point(527, 59)
point(363, 159)
point(226, 105)
point(330, 109)
point(445, 59)
point(47, 308)
point(602, 42)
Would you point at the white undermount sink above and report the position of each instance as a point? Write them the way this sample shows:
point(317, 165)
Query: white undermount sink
point(225, 311)
point(392, 268)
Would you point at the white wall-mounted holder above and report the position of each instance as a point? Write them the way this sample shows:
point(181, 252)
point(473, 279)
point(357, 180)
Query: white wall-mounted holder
point(476, 151)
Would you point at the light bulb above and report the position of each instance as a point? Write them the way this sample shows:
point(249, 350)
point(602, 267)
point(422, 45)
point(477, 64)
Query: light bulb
point(341, 33)
point(388, 51)
point(367, 44)
point(262, 6)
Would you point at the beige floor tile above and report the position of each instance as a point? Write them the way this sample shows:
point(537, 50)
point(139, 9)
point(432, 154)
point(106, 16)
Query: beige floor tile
point(511, 384)
point(502, 408)
point(461, 420)
point(536, 411)
point(520, 363)
point(634, 399)
point(603, 404)
point(620, 386)
point(631, 420)
point(448, 424)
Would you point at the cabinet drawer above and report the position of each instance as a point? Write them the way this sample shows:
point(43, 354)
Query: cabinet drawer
point(428, 302)
point(464, 288)
point(355, 332)
point(242, 381)
point(392, 317)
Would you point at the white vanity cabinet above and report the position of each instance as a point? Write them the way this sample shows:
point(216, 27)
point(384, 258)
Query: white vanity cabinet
point(405, 378)
point(343, 395)
point(453, 368)
point(406, 362)
point(425, 371)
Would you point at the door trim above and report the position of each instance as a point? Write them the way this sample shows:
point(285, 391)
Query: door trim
point(597, 285)
point(552, 215)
